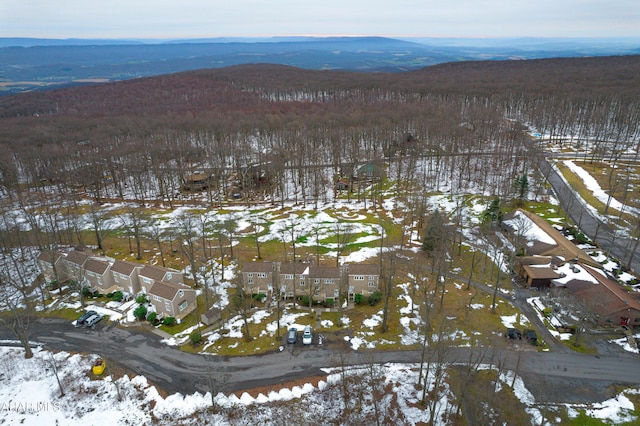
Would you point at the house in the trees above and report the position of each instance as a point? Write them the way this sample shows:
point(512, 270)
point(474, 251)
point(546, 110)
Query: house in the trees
point(323, 282)
point(317, 282)
point(258, 278)
point(97, 275)
point(287, 273)
point(125, 276)
point(538, 271)
point(552, 260)
point(609, 301)
point(536, 237)
point(149, 274)
point(163, 286)
point(370, 172)
point(74, 264)
point(52, 266)
point(197, 181)
point(362, 279)
point(171, 299)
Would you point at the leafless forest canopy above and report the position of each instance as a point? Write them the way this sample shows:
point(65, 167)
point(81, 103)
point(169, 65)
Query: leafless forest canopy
point(464, 119)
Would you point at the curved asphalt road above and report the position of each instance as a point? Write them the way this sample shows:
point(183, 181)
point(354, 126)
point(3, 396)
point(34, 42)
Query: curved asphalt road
point(143, 353)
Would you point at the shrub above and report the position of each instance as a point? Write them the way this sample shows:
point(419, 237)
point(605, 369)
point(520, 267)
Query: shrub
point(86, 292)
point(169, 321)
point(140, 312)
point(195, 337)
point(329, 302)
point(109, 295)
point(259, 297)
point(375, 298)
point(304, 301)
point(359, 299)
point(117, 296)
point(141, 299)
point(152, 317)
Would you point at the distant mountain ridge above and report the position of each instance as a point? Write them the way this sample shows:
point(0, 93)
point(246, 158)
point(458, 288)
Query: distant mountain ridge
point(38, 64)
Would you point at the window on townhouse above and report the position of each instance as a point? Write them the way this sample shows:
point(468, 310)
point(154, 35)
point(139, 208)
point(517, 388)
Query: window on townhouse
point(183, 305)
point(316, 281)
point(372, 284)
point(169, 276)
point(358, 277)
point(301, 283)
point(317, 286)
point(250, 281)
point(328, 281)
point(372, 277)
point(288, 276)
point(262, 275)
point(180, 293)
point(157, 298)
point(250, 274)
point(167, 307)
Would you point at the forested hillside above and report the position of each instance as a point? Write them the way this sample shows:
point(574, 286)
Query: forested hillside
point(154, 131)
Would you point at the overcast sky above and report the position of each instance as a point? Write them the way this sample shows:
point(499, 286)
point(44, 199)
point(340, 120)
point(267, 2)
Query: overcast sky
point(213, 18)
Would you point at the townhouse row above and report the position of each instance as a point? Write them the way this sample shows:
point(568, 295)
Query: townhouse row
point(304, 279)
point(164, 287)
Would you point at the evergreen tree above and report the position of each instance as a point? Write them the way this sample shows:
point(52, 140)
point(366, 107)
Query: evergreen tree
point(434, 235)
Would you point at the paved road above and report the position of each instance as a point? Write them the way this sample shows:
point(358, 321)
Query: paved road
point(614, 242)
point(142, 352)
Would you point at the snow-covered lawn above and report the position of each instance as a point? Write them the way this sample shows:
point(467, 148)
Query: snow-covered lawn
point(30, 395)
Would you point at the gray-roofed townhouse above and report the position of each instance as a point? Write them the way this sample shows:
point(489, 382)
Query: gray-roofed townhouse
point(323, 282)
point(52, 267)
point(362, 279)
point(257, 277)
point(171, 299)
point(125, 276)
point(97, 275)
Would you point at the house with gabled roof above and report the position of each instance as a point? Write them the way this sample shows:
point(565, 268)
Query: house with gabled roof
point(288, 273)
point(74, 264)
point(318, 282)
point(149, 274)
point(125, 276)
point(171, 299)
point(539, 238)
point(323, 282)
point(612, 304)
point(258, 277)
point(97, 275)
point(52, 266)
point(362, 279)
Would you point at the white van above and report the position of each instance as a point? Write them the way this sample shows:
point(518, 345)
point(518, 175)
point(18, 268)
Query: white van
point(92, 320)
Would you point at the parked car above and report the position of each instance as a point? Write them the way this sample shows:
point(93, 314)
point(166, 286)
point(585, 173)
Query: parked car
point(93, 320)
point(292, 335)
point(80, 321)
point(307, 337)
point(99, 366)
point(531, 337)
point(513, 333)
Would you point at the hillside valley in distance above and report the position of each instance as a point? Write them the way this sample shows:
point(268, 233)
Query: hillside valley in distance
point(28, 64)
